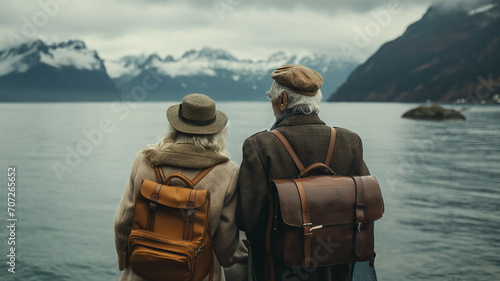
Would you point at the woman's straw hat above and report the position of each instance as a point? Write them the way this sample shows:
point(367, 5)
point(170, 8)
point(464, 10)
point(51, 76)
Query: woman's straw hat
point(196, 115)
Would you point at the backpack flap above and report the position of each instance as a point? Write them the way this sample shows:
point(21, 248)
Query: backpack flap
point(332, 211)
point(174, 196)
point(184, 208)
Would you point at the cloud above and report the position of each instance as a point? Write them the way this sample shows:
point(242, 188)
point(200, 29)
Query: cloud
point(323, 6)
point(251, 29)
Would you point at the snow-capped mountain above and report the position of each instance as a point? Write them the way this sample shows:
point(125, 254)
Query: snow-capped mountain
point(66, 54)
point(68, 71)
point(218, 73)
point(35, 71)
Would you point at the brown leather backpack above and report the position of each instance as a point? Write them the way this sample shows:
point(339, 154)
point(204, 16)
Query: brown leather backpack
point(170, 238)
point(324, 219)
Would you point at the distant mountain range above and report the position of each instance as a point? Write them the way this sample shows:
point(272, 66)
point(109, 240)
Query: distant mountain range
point(218, 73)
point(68, 71)
point(449, 55)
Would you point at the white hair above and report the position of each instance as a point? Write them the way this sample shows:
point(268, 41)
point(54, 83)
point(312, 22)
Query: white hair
point(298, 102)
point(214, 142)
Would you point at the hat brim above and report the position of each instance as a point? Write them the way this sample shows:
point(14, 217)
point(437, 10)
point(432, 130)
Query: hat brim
point(187, 127)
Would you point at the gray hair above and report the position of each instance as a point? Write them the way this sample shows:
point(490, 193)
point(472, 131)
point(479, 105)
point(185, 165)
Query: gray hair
point(214, 142)
point(296, 101)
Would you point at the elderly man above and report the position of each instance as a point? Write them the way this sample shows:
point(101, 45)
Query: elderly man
point(295, 96)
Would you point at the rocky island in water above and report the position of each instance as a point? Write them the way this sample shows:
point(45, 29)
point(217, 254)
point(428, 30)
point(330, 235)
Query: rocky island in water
point(433, 112)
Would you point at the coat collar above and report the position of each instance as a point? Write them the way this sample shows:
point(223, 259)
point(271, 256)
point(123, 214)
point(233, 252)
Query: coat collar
point(302, 119)
point(183, 155)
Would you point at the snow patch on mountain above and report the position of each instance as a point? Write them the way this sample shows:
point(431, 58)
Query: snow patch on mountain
point(17, 59)
point(68, 57)
point(126, 66)
point(482, 9)
point(181, 68)
point(10, 64)
point(118, 69)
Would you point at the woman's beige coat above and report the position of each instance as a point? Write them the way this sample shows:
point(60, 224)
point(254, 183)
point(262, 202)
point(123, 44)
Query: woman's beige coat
point(189, 160)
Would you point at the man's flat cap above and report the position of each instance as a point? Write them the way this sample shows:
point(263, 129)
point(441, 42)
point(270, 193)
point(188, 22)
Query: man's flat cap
point(299, 78)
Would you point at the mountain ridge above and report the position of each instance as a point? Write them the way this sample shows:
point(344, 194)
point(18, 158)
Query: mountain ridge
point(218, 73)
point(438, 58)
point(65, 71)
point(68, 71)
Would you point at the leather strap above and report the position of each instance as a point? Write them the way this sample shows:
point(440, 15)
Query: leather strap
point(288, 147)
point(160, 176)
point(330, 147)
point(202, 174)
point(189, 216)
point(155, 196)
point(186, 226)
point(157, 173)
point(360, 200)
point(151, 220)
point(306, 222)
point(191, 213)
point(360, 209)
point(153, 201)
point(295, 158)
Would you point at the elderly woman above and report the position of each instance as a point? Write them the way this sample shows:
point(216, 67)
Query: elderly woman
point(195, 141)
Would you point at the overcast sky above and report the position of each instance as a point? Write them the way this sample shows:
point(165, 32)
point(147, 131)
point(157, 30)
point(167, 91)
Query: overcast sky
point(247, 28)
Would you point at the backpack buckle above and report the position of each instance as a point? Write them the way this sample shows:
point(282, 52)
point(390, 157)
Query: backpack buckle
point(152, 205)
point(316, 227)
point(197, 251)
point(189, 218)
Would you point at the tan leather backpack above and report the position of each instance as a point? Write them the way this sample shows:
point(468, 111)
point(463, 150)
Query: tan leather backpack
point(170, 238)
point(324, 219)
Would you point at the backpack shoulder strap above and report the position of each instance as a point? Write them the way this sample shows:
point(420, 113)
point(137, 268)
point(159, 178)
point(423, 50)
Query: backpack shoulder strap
point(330, 147)
point(294, 156)
point(160, 176)
point(289, 148)
point(202, 174)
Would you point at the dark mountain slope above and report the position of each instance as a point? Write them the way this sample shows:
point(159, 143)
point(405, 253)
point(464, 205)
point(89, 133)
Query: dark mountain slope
point(439, 58)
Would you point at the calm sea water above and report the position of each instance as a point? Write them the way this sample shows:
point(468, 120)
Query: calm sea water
point(440, 182)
